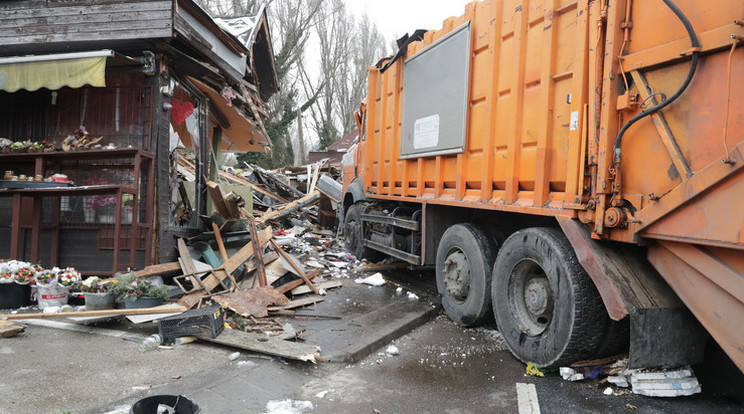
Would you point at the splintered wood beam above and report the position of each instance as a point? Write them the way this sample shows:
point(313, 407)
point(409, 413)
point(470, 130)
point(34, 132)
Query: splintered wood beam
point(223, 253)
point(297, 269)
point(255, 187)
point(218, 199)
point(295, 283)
point(290, 208)
point(159, 269)
point(232, 264)
point(107, 312)
point(258, 254)
point(188, 263)
point(247, 251)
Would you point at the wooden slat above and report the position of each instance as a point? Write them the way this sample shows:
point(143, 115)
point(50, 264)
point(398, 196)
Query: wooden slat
point(303, 202)
point(159, 269)
point(295, 283)
point(108, 312)
point(223, 253)
point(188, 263)
point(218, 199)
point(297, 303)
point(297, 269)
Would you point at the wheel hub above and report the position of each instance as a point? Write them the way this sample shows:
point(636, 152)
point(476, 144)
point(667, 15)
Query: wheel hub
point(457, 276)
point(536, 296)
point(531, 297)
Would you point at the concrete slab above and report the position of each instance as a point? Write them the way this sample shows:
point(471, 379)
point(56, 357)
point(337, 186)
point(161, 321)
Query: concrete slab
point(370, 317)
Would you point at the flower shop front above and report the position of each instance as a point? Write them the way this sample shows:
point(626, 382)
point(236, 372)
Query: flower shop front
point(90, 138)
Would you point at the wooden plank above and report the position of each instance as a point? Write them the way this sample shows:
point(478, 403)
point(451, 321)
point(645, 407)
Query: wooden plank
point(223, 253)
point(255, 187)
point(189, 267)
point(258, 259)
point(230, 266)
point(159, 269)
point(247, 251)
point(314, 181)
point(295, 283)
point(377, 267)
point(297, 269)
point(10, 329)
point(107, 312)
point(285, 210)
point(258, 342)
point(328, 284)
point(299, 303)
point(218, 199)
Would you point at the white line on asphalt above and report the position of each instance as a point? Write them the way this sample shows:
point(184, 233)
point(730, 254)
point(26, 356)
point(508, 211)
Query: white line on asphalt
point(527, 399)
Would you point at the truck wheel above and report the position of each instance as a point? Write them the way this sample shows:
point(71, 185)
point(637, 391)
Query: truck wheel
point(464, 261)
point(354, 236)
point(545, 304)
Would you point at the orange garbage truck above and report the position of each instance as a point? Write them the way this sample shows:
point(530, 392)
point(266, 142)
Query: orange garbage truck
point(573, 168)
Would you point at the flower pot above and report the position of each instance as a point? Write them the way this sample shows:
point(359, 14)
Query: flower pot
point(98, 301)
point(141, 302)
point(50, 296)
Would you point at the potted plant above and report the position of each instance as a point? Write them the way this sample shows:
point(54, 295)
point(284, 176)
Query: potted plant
point(97, 295)
point(131, 291)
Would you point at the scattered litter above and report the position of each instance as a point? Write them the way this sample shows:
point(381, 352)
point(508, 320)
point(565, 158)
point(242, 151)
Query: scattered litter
point(569, 374)
point(322, 394)
point(399, 291)
point(534, 370)
point(234, 356)
point(412, 296)
point(607, 391)
point(676, 383)
point(288, 407)
point(393, 350)
point(374, 280)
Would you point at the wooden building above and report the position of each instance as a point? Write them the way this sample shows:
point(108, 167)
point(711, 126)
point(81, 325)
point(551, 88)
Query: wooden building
point(156, 79)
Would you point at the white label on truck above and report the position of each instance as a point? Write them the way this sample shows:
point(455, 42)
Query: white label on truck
point(426, 132)
point(574, 120)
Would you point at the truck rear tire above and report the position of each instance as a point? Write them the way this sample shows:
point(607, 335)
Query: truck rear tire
point(354, 235)
point(464, 261)
point(545, 304)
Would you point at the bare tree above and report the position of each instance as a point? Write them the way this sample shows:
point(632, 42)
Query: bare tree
point(348, 46)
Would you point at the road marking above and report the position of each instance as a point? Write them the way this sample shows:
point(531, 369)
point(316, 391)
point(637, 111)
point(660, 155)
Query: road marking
point(527, 399)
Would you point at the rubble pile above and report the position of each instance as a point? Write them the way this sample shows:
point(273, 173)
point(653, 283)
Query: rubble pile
point(258, 265)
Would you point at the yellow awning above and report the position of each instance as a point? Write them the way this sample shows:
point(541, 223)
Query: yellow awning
point(54, 71)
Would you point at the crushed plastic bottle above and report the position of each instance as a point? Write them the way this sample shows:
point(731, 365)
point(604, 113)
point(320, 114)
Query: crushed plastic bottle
point(151, 342)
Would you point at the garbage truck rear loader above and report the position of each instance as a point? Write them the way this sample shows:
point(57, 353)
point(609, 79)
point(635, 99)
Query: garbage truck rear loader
point(573, 168)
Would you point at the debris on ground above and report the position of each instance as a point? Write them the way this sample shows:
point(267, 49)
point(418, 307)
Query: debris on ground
point(374, 280)
point(648, 382)
point(259, 260)
point(534, 370)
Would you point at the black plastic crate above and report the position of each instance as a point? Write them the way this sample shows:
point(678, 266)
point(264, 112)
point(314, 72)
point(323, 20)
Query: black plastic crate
point(208, 322)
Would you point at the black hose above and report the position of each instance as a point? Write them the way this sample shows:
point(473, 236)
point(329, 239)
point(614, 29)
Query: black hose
point(680, 91)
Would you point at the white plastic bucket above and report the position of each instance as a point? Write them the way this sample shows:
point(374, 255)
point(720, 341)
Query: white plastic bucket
point(51, 296)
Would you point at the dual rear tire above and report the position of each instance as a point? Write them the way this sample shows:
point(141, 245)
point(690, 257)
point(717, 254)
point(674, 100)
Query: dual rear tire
point(545, 304)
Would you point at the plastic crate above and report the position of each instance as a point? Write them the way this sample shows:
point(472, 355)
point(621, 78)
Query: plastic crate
point(208, 322)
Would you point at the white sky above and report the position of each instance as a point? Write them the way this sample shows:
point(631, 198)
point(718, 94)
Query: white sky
point(394, 18)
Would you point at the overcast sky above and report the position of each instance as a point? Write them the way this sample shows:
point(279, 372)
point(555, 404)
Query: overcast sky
point(395, 18)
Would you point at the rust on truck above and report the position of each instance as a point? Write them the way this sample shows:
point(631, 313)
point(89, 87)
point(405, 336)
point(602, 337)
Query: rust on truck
point(622, 120)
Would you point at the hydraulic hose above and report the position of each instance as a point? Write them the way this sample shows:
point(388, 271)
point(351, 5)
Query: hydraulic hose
point(680, 91)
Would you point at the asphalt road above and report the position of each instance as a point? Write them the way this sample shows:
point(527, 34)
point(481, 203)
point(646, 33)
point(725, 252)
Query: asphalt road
point(439, 368)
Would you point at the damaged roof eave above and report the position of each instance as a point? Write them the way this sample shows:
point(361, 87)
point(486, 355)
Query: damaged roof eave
point(242, 133)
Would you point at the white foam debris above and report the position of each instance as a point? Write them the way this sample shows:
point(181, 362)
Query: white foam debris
point(374, 280)
point(288, 407)
point(393, 350)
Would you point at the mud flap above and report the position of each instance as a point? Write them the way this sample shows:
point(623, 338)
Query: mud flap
point(665, 338)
